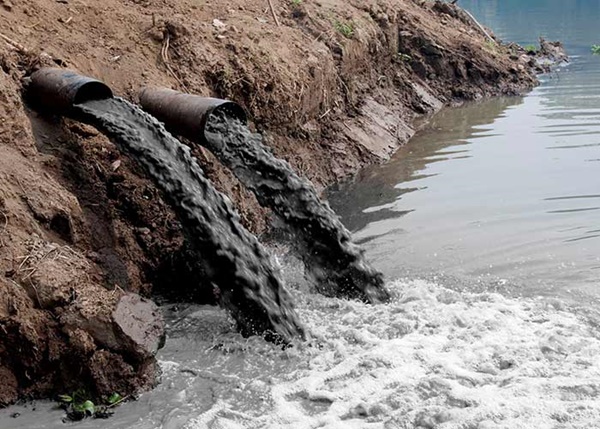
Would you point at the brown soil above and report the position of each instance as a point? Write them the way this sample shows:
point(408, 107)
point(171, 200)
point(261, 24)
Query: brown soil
point(335, 86)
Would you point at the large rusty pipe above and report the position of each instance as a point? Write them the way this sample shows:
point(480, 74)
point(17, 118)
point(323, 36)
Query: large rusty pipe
point(186, 114)
point(58, 90)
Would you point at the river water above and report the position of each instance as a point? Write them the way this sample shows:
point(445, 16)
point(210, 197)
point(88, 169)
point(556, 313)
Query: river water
point(505, 191)
point(495, 196)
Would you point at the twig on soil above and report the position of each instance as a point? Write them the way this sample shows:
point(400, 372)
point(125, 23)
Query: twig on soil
point(25, 259)
point(118, 402)
point(346, 89)
point(164, 51)
point(491, 39)
point(164, 54)
point(301, 94)
point(273, 13)
point(204, 154)
point(37, 295)
point(116, 289)
point(3, 228)
point(325, 114)
point(14, 44)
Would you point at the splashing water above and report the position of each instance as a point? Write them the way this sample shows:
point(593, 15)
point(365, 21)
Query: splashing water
point(429, 358)
point(338, 266)
point(232, 257)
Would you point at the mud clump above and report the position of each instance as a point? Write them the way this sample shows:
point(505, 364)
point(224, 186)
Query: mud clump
point(55, 320)
point(56, 313)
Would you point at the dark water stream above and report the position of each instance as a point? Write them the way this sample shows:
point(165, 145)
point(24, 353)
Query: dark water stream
point(231, 257)
point(337, 265)
point(506, 190)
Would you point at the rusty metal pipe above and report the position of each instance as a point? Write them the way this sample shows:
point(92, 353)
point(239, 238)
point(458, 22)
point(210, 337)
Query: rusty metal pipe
point(185, 113)
point(58, 90)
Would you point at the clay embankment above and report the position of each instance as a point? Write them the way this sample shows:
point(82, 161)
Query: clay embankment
point(334, 84)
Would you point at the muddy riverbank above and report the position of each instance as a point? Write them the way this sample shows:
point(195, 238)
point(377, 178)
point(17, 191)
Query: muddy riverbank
point(83, 234)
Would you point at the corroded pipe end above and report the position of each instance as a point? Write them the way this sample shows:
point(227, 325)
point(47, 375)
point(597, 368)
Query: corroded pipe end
point(187, 114)
point(58, 90)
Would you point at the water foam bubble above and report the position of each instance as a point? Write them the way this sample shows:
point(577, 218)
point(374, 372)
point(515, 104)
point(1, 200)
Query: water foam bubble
point(432, 358)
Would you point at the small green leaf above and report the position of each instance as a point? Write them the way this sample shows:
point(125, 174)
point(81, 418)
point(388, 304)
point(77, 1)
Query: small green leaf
point(66, 399)
point(85, 407)
point(114, 398)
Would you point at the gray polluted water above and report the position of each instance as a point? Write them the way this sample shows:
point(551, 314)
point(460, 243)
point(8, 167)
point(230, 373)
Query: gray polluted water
point(232, 257)
point(337, 265)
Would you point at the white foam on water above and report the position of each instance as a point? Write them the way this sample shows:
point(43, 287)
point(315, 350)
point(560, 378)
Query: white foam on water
point(432, 358)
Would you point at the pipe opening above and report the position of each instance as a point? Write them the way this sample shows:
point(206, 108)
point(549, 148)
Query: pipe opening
point(92, 91)
point(229, 109)
point(56, 91)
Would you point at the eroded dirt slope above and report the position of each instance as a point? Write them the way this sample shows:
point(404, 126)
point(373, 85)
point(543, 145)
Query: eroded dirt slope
point(334, 84)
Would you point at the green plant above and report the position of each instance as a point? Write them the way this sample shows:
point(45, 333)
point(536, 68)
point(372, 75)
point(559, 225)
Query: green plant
point(78, 405)
point(596, 49)
point(404, 57)
point(491, 45)
point(114, 399)
point(296, 2)
point(345, 28)
point(530, 49)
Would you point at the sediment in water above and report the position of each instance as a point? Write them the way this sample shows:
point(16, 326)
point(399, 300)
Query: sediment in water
point(233, 259)
point(338, 266)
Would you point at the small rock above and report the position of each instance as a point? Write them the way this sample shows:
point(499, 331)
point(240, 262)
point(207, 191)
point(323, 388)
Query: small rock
point(144, 231)
point(81, 341)
point(217, 23)
point(432, 50)
point(115, 165)
point(261, 20)
point(7, 5)
point(141, 323)
point(62, 1)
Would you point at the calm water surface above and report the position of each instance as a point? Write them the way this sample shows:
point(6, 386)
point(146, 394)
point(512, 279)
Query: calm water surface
point(507, 189)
